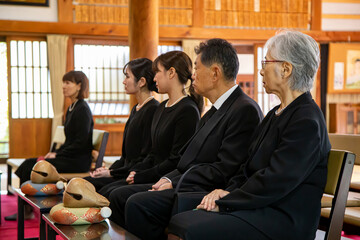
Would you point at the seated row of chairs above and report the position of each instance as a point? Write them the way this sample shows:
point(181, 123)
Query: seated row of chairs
point(340, 167)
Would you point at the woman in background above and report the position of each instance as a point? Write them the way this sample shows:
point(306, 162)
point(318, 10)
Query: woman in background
point(139, 81)
point(75, 154)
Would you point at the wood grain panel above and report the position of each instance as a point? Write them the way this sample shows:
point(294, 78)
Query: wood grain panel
point(29, 137)
point(65, 11)
point(169, 33)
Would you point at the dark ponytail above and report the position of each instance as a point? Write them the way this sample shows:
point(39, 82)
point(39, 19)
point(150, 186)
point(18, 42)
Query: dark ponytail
point(183, 66)
point(142, 67)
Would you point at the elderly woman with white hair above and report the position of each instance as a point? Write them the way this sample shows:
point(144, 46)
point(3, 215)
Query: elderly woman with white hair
point(277, 193)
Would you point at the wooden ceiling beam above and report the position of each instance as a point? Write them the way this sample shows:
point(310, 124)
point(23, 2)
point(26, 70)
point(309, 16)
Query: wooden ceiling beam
point(168, 33)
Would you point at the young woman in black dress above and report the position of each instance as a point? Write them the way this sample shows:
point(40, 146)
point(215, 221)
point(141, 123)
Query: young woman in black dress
point(75, 154)
point(174, 122)
point(139, 81)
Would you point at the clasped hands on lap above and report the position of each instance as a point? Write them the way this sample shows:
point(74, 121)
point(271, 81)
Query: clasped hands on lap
point(162, 184)
point(208, 202)
point(105, 172)
point(100, 172)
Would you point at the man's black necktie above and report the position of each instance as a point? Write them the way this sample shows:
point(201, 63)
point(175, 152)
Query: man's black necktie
point(207, 116)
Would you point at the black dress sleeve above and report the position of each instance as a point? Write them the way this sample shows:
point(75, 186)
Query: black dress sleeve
point(185, 127)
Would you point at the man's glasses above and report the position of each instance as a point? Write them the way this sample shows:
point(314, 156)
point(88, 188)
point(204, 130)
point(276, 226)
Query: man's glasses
point(264, 62)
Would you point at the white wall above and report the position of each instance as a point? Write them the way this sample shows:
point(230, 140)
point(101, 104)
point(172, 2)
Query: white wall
point(246, 63)
point(30, 13)
point(340, 16)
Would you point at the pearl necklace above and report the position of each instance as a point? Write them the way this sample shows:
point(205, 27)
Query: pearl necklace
point(166, 105)
point(71, 107)
point(277, 112)
point(141, 105)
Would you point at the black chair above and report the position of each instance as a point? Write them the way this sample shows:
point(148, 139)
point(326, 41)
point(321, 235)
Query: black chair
point(340, 166)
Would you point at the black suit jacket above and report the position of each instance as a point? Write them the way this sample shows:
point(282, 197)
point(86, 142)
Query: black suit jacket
point(222, 142)
point(279, 189)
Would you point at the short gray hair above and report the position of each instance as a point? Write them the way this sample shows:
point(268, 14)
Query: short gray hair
point(302, 52)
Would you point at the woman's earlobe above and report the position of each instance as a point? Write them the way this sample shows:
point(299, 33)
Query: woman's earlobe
point(287, 69)
point(142, 82)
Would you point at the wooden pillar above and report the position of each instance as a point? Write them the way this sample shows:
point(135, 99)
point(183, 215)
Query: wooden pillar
point(143, 31)
point(198, 13)
point(65, 11)
point(316, 12)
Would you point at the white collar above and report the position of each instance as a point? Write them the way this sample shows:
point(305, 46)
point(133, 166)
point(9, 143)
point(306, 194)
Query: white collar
point(219, 102)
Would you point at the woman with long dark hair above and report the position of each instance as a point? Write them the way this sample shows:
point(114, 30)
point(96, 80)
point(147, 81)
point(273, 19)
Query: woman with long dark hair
point(139, 81)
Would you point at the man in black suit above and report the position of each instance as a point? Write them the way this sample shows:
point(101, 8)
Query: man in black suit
point(220, 145)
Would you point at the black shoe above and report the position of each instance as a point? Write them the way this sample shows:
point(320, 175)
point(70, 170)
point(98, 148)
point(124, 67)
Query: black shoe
point(13, 217)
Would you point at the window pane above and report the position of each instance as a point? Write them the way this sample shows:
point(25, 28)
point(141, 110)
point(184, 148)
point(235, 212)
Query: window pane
point(14, 79)
point(21, 79)
point(36, 53)
point(92, 80)
point(21, 53)
point(37, 104)
point(100, 80)
point(36, 79)
point(29, 80)
point(119, 108)
point(44, 105)
point(100, 59)
point(107, 54)
point(107, 80)
point(28, 53)
point(125, 109)
point(22, 105)
point(112, 108)
point(77, 55)
point(30, 105)
point(113, 57)
point(114, 81)
point(13, 53)
point(44, 80)
point(97, 109)
point(104, 109)
point(92, 106)
point(103, 65)
point(43, 54)
point(15, 105)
